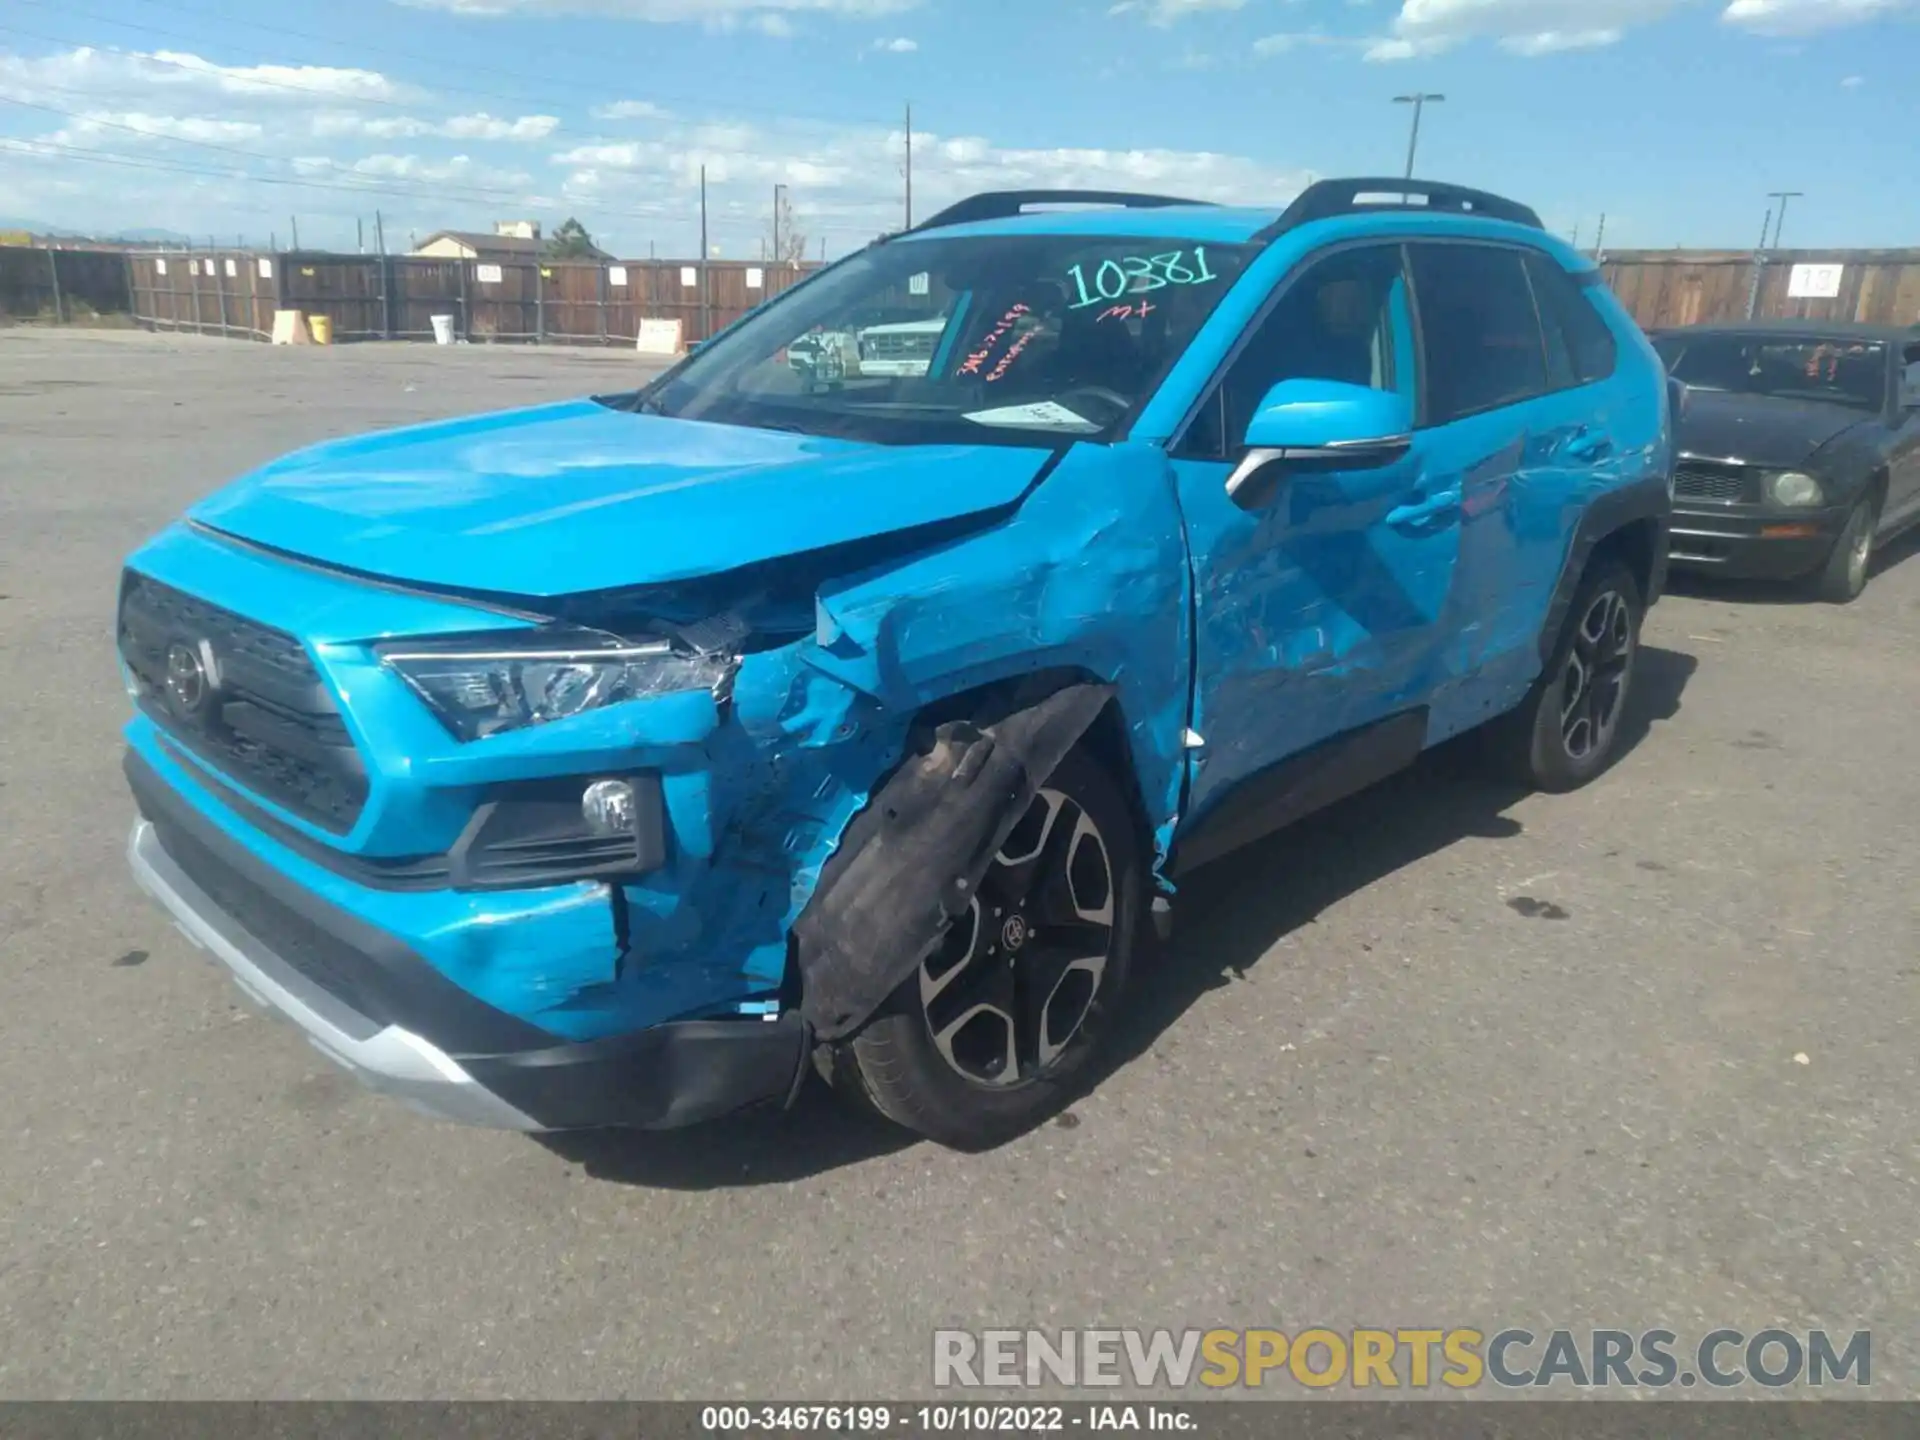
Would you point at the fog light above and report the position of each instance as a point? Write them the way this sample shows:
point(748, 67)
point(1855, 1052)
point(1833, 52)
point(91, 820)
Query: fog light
point(607, 807)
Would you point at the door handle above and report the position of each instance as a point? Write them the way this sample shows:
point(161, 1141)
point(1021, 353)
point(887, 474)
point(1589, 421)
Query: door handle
point(1425, 511)
point(1589, 445)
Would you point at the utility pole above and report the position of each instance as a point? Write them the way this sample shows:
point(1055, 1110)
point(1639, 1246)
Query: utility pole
point(1759, 265)
point(705, 317)
point(779, 255)
point(1780, 216)
point(296, 230)
point(1419, 102)
point(359, 235)
point(1600, 240)
point(909, 167)
point(379, 233)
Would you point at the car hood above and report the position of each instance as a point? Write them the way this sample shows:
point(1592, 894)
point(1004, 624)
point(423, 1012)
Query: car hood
point(568, 498)
point(1760, 430)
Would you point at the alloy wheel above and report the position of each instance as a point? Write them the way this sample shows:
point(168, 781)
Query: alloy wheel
point(1859, 553)
point(1594, 684)
point(1016, 976)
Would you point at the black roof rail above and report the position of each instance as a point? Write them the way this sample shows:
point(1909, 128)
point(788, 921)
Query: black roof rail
point(1002, 204)
point(1326, 198)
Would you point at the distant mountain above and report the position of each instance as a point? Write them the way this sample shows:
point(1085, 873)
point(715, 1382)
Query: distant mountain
point(149, 237)
point(136, 236)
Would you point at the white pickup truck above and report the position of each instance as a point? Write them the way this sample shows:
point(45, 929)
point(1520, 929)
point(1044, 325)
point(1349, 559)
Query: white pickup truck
point(903, 349)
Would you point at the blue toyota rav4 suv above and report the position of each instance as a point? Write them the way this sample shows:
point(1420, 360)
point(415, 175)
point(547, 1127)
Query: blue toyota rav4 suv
point(611, 762)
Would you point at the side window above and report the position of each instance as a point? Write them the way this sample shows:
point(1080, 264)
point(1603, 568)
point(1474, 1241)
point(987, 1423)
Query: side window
point(1340, 319)
point(1480, 345)
point(1910, 377)
point(1573, 328)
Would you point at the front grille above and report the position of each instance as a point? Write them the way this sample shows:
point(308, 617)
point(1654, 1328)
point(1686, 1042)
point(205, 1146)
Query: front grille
point(1715, 480)
point(898, 347)
point(253, 705)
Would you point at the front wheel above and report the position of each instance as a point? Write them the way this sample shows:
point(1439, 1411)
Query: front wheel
point(993, 1032)
point(1843, 576)
point(1564, 732)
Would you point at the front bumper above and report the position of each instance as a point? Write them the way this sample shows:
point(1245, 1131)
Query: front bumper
point(658, 1078)
point(1752, 541)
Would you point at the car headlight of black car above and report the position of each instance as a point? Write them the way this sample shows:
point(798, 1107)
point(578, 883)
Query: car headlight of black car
point(481, 685)
point(1794, 489)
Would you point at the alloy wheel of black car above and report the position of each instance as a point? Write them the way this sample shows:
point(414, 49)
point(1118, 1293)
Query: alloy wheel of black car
point(1594, 681)
point(1017, 975)
point(1844, 574)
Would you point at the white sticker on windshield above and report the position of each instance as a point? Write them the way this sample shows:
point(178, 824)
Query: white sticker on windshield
point(1044, 412)
point(917, 284)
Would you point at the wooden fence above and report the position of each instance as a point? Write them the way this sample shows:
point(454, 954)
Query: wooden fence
point(61, 285)
point(372, 297)
point(1696, 287)
point(369, 297)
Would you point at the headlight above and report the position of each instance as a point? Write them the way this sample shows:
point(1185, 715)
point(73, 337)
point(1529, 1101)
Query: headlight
point(1790, 487)
point(480, 685)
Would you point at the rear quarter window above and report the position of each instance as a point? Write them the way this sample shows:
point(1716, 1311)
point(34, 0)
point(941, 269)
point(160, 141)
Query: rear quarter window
point(1573, 328)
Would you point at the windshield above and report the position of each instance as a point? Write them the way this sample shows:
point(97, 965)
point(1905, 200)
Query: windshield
point(1014, 338)
point(1843, 372)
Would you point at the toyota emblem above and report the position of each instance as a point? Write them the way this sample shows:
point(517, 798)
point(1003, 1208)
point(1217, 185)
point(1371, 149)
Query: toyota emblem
point(188, 684)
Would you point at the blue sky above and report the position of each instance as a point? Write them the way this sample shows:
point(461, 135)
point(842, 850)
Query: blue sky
point(1673, 117)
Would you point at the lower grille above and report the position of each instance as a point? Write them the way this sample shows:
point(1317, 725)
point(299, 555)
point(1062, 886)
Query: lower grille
point(1714, 480)
point(244, 698)
point(329, 963)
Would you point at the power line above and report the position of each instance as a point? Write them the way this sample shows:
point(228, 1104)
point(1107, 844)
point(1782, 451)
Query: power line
point(467, 190)
point(406, 190)
point(358, 48)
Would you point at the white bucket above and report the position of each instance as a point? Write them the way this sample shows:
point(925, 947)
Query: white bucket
point(442, 329)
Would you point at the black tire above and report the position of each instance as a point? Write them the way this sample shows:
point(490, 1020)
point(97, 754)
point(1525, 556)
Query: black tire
point(1843, 575)
point(957, 1090)
point(1566, 730)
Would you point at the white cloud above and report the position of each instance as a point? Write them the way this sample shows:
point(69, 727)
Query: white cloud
point(899, 46)
point(1548, 41)
point(459, 170)
point(716, 14)
point(1289, 40)
point(1525, 27)
point(1853, 82)
point(133, 127)
point(1171, 12)
point(631, 110)
point(330, 123)
point(1803, 17)
point(773, 23)
point(134, 72)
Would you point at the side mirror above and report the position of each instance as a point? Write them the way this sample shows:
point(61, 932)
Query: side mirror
point(1322, 425)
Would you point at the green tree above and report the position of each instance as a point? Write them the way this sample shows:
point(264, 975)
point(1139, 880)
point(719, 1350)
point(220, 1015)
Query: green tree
point(571, 242)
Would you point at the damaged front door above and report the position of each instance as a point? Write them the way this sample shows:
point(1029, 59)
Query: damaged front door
point(1318, 611)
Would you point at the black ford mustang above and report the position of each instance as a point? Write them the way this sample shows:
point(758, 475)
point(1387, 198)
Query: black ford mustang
point(1798, 448)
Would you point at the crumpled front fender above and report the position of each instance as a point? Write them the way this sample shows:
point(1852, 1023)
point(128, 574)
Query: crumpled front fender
point(910, 862)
